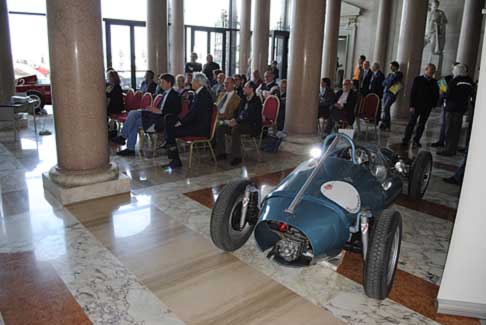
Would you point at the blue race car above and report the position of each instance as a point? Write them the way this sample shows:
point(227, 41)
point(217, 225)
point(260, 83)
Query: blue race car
point(329, 203)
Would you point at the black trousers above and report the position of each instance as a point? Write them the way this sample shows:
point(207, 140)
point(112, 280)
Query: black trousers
point(452, 131)
point(421, 116)
point(337, 115)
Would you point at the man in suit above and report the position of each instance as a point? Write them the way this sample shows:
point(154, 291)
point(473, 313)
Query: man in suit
point(248, 120)
point(228, 101)
point(150, 119)
point(391, 87)
point(218, 88)
point(365, 78)
point(193, 66)
point(423, 97)
point(376, 85)
point(209, 67)
point(196, 123)
point(343, 108)
point(269, 87)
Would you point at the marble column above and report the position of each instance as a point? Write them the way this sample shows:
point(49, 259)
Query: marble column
point(7, 78)
point(331, 34)
point(469, 38)
point(177, 32)
point(463, 286)
point(305, 55)
point(78, 90)
point(410, 47)
point(157, 35)
point(261, 33)
point(245, 35)
point(382, 31)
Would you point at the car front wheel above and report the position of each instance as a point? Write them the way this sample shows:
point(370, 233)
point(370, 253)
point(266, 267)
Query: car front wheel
point(37, 96)
point(382, 257)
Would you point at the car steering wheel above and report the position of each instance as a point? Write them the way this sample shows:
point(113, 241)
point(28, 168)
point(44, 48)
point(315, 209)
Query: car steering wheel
point(351, 146)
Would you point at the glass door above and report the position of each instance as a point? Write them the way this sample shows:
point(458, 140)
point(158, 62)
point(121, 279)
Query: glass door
point(126, 50)
point(280, 50)
point(204, 41)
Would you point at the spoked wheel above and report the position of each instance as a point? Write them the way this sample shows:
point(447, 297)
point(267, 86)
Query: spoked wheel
point(382, 257)
point(39, 102)
point(420, 175)
point(226, 231)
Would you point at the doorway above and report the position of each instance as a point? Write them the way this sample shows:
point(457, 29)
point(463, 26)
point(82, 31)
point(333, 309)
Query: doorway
point(126, 50)
point(280, 51)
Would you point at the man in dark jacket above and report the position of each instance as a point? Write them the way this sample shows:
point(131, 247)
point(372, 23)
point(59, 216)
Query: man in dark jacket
point(376, 86)
point(196, 123)
point(148, 85)
point(150, 119)
point(423, 97)
point(458, 98)
point(365, 79)
point(247, 120)
point(344, 106)
point(391, 87)
point(209, 67)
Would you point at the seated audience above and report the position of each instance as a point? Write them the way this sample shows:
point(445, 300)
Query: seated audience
point(269, 87)
point(196, 123)
point(188, 81)
point(274, 69)
point(114, 94)
point(238, 85)
point(228, 101)
point(218, 87)
point(209, 67)
point(257, 80)
point(148, 85)
point(150, 119)
point(458, 97)
point(248, 120)
point(326, 99)
point(283, 103)
point(180, 85)
point(193, 66)
point(343, 108)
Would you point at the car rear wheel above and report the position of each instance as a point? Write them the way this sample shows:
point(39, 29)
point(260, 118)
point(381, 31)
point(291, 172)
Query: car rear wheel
point(226, 215)
point(37, 96)
point(420, 175)
point(382, 257)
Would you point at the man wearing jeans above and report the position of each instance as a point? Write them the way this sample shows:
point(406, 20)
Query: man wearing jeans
point(391, 87)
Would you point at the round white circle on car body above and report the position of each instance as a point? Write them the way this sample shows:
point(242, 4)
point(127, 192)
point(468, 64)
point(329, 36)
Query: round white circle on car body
point(343, 194)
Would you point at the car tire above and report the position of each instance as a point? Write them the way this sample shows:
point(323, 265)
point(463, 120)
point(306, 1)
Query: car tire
point(37, 96)
point(382, 256)
point(420, 175)
point(224, 218)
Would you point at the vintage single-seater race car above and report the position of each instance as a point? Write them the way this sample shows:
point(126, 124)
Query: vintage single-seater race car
point(332, 202)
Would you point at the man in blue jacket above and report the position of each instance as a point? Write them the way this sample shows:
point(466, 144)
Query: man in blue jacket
point(390, 91)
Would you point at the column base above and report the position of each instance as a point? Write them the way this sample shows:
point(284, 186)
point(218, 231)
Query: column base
point(74, 187)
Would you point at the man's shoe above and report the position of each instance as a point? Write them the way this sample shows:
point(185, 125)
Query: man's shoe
point(126, 153)
point(235, 161)
point(119, 140)
point(451, 180)
point(417, 144)
point(221, 157)
point(175, 163)
point(445, 154)
point(437, 144)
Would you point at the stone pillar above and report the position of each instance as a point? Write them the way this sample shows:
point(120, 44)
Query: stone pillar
point(305, 55)
point(382, 31)
point(157, 35)
point(78, 93)
point(7, 78)
point(331, 32)
point(261, 33)
point(469, 38)
point(177, 32)
point(410, 47)
point(463, 286)
point(245, 35)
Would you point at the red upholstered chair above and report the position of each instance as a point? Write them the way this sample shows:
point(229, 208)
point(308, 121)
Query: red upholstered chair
point(368, 112)
point(204, 141)
point(146, 101)
point(184, 109)
point(157, 100)
point(271, 106)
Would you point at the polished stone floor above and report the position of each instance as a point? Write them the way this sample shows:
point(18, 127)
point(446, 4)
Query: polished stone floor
point(146, 257)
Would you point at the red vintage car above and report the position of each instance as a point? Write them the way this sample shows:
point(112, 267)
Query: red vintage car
point(35, 88)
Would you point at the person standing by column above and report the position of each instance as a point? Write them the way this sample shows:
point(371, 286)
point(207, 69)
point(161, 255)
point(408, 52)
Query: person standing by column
point(376, 86)
point(392, 86)
point(458, 98)
point(423, 97)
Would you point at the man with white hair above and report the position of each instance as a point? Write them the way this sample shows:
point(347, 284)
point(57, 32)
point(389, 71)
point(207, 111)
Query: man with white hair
point(458, 98)
point(196, 123)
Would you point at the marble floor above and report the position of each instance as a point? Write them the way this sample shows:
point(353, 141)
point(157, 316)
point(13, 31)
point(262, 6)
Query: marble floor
point(146, 257)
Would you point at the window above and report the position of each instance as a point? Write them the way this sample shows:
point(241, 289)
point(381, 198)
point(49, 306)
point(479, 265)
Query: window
point(212, 13)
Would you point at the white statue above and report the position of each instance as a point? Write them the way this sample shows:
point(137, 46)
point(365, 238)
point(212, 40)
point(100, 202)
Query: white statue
point(435, 33)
